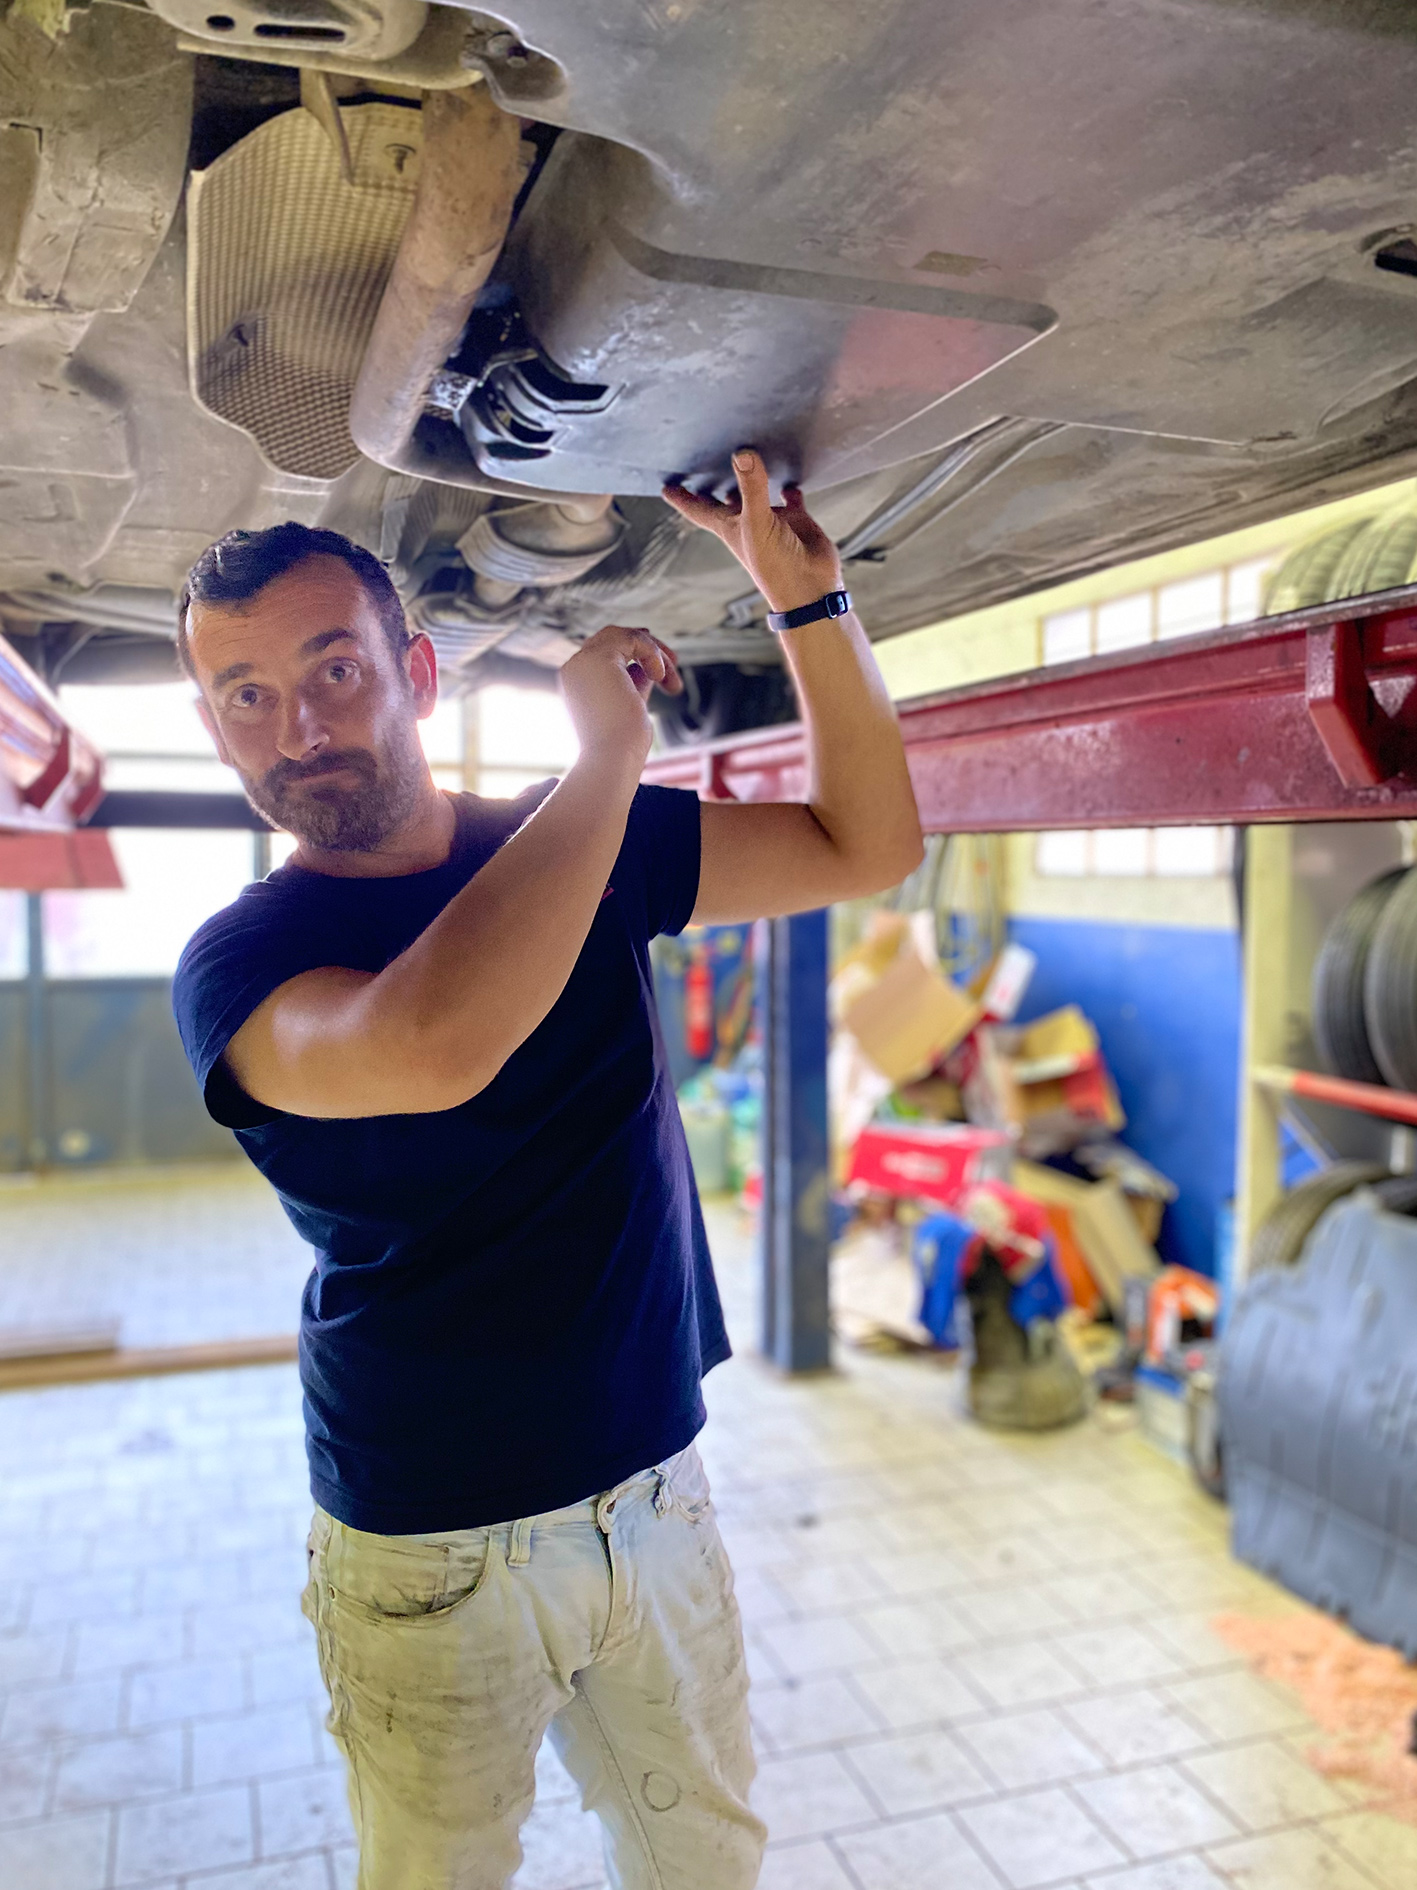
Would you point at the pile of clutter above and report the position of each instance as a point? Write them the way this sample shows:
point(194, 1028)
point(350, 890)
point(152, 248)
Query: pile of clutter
point(993, 1147)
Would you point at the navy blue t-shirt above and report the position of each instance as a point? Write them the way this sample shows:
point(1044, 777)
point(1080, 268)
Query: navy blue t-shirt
point(512, 1304)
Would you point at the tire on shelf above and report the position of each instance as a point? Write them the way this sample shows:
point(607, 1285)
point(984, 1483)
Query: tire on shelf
point(1280, 1236)
point(1398, 1194)
point(1390, 986)
point(1340, 1023)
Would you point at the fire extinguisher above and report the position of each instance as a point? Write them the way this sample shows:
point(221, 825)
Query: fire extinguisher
point(698, 1006)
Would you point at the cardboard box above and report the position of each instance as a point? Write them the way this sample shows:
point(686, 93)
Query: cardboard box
point(909, 1017)
point(1064, 1033)
point(1103, 1225)
point(933, 1161)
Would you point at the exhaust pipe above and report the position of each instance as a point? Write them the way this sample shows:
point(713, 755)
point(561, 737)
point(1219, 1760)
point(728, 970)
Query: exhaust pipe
point(469, 175)
point(470, 172)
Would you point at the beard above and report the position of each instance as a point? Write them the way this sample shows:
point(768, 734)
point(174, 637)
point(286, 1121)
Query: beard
point(343, 815)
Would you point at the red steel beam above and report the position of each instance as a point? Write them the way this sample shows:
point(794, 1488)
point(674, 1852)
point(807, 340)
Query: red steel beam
point(51, 781)
point(1309, 716)
point(50, 776)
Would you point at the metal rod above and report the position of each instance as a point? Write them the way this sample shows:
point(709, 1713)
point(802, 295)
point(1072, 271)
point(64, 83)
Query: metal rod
point(1369, 1099)
point(37, 1125)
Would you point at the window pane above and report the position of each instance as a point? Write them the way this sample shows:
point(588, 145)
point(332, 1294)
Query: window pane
point(171, 777)
point(14, 951)
point(1067, 635)
point(172, 881)
point(501, 784)
point(442, 733)
point(138, 718)
point(1125, 622)
point(1246, 590)
point(1123, 852)
point(1195, 604)
point(525, 728)
point(1061, 855)
point(1182, 851)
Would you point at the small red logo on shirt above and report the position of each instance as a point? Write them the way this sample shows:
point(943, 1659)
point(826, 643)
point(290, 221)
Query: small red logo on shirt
point(606, 894)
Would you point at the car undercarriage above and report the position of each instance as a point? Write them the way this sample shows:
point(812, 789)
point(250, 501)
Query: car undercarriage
point(1017, 289)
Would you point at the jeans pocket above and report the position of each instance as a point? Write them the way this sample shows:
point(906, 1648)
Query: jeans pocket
point(406, 1578)
point(689, 1484)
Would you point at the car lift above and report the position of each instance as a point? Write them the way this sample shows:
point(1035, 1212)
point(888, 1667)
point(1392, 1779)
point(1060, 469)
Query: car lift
point(1305, 717)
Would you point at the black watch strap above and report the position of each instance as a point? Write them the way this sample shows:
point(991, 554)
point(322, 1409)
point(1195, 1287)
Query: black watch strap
point(834, 604)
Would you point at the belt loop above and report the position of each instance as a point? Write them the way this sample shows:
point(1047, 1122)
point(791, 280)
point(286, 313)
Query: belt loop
point(663, 1493)
point(521, 1543)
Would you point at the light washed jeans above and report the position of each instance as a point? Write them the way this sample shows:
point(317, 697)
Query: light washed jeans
point(611, 1624)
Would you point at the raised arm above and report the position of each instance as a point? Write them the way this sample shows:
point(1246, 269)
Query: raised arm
point(859, 831)
point(434, 1028)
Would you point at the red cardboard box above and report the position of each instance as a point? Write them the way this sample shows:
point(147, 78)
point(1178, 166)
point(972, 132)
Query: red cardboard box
point(937, 1161)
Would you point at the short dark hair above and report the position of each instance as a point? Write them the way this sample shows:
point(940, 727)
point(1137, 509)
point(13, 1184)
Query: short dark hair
point(239, 566)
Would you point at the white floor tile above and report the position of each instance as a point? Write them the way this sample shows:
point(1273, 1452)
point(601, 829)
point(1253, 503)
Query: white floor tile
point(1033, 1748)
point(1134, 1727)
point(922, 1771)
point(808, 1796)
point(171, 1836)
point(1288, 1860)
point(810, 1866)
point(1264, 1786)
point(1385, 1846)
point(251, 1745)
point(818, 1712)
point(923, 1854)
point(561, 1850)
point(1040, 1838)
point(1122, 1654)
point(1237, 1705)
point(818, 1645)
point(60, 1854)
point(918, 1692)
point(112, 1771)
point(1170, 1873)
point(1154, 1810)
point(1027, 1673)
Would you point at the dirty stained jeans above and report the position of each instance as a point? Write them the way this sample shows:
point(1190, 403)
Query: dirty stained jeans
point(611, 1624)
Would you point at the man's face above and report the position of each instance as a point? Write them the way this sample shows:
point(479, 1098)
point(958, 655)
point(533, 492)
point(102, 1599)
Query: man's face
point(307, 699)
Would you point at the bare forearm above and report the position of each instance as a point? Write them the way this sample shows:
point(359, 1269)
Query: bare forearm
point(476, 984)
point(858, 785)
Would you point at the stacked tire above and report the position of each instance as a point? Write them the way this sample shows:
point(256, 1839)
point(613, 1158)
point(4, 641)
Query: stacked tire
point(1390, 983)
point(1365, 1026)
point(1365, 985)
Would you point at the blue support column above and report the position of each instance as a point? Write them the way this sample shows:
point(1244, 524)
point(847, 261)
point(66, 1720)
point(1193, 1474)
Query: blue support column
point(37, 1126)
point(796, 1185)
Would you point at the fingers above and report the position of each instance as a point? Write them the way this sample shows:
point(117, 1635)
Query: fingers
point(753, 489)
point(647, 660)
point(673, 682)
point(708, 514)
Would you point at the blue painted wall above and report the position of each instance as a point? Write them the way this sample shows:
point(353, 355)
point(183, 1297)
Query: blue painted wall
point(1166, 1003)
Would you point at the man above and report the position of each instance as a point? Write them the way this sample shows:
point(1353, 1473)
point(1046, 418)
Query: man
point(434, 1032)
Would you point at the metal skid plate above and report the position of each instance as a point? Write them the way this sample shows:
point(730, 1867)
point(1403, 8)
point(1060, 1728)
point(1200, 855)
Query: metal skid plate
point(286, 263)
point(823, 369)
point(1318, 1402)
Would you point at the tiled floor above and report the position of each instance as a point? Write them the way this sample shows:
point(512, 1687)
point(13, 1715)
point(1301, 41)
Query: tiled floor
point(981, 1663)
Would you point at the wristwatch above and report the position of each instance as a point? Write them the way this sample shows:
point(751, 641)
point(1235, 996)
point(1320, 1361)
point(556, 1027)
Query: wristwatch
point(834, 604)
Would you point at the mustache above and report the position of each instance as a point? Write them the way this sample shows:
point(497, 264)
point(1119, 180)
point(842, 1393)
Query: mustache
point(357, 761)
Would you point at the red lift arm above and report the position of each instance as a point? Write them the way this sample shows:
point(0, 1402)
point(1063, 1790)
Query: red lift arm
point(1309, 716)
point(51, 780)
